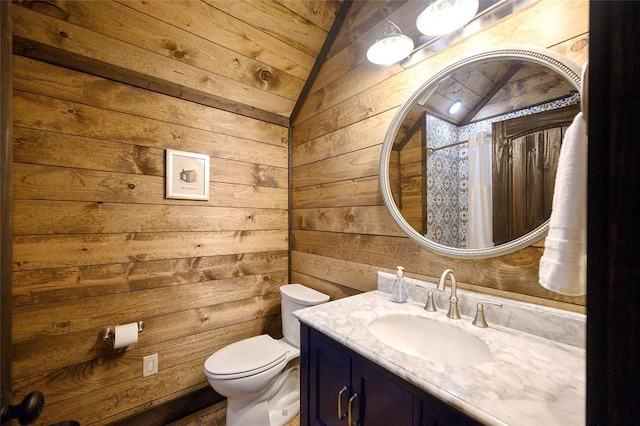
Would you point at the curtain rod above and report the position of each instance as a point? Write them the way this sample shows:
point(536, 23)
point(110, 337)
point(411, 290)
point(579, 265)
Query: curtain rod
point(431, 149)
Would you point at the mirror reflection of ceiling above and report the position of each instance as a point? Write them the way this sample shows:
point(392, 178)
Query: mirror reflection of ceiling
point(486, 90)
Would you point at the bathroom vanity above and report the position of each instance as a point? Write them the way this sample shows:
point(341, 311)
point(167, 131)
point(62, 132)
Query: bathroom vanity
point(369, 361)
point(535, 374)
point(366, 393)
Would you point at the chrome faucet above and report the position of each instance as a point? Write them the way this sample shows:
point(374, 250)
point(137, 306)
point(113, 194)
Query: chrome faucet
point(453, 300)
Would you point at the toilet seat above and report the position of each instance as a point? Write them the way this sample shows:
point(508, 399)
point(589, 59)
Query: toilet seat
point(245, 358)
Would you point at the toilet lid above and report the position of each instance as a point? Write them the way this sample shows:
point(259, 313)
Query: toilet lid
point(303, 295)
point(246, 357)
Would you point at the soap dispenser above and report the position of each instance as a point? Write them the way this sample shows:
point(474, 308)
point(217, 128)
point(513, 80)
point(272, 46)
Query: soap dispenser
point(399, 292)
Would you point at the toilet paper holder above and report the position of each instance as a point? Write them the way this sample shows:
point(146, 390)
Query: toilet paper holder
point(108, 332)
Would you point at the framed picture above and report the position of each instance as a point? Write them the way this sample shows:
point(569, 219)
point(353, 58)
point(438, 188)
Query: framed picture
point(187, 175)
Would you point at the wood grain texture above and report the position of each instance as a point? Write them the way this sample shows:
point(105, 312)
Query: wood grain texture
point(242, 57)
point(53, 38)
point(86, 218)
point(353, 219)
point(242, 38)
point(348, 166)
point(6, 58)
point(51, 285)
point(55, 115)
point(324, 242)
point(48, 251)
point(354, 192)
point(276, 20)
point(96, 243)
point(523, 181)
point(38, 77)
point(320, 12)
point(412, 180)
point(180, 45)
point(59, 183)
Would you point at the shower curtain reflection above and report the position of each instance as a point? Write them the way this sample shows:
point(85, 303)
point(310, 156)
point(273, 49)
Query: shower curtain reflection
point(480, 216)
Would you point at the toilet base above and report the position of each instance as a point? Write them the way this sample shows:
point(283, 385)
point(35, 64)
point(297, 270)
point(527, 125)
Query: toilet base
point(277, 406)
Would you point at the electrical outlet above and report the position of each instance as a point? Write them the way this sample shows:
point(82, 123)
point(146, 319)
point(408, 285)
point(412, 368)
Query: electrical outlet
point(149, 365)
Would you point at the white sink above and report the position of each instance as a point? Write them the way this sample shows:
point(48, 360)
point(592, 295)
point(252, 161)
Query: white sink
point(429, 339)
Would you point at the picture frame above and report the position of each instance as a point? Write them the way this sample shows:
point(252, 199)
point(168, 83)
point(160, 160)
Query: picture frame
point(187, 175)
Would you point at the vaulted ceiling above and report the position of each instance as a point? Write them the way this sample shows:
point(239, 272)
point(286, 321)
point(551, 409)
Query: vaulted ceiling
point(254, 57)
point(490, 89)
point(247, 56)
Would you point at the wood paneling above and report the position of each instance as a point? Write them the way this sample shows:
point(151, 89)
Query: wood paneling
point(522, 179)
point(5, 203)
point(411, 198)
point(245, 57)
point(96, 243)
point(101, 89)
point(326, 183)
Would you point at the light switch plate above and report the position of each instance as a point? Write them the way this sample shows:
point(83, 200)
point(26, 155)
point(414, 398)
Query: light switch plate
point(149, 365)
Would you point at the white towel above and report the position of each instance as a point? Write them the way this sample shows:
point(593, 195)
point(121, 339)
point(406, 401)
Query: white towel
point(563, 266)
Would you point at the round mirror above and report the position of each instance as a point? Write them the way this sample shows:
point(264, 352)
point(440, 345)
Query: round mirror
point(469, 161)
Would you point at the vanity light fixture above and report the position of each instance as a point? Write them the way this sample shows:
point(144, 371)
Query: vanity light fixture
point(455, 107)
point(445, 16)
point(391, 48)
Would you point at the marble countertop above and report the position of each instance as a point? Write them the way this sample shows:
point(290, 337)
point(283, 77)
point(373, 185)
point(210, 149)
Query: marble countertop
point(531, 380)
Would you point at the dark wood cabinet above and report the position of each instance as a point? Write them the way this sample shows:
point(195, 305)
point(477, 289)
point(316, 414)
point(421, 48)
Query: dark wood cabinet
point(338, 385)
point(330, 380)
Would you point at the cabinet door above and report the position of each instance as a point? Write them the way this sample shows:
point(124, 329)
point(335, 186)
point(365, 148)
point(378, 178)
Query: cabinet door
point(329, 372)
point(438, 413)
point(381, 400)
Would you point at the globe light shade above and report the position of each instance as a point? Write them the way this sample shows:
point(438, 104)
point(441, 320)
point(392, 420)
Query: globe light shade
point(391, 48)
point(444, 16)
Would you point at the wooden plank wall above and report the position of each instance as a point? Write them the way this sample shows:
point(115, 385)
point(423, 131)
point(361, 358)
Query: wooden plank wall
point(239, 56)
point(413, 180)
point(96, 243)
point(342, 234)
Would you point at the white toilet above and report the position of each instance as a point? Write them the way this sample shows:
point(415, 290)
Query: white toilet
point(260, 376)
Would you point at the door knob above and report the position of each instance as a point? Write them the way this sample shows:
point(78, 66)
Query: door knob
point(28, 410)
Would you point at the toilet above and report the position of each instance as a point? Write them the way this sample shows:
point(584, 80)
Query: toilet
point(260, 376)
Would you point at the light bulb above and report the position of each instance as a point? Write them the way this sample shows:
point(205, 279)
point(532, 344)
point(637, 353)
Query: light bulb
point(445, 16)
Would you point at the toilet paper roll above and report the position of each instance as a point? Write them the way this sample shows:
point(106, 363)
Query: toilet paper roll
point(125, 335)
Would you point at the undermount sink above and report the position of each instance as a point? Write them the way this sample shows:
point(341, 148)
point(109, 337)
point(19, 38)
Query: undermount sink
point(429, 339)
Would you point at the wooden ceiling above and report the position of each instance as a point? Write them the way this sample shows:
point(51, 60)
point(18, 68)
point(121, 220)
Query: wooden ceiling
point(493, 88)
point(246, 56)
point(258, 58)
point(486, 89)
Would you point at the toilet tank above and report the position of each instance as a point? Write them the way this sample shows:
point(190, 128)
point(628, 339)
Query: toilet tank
point(294, 297)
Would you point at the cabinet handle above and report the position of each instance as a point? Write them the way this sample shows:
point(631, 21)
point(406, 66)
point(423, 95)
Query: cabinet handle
point(349, 416)
point(340, 415)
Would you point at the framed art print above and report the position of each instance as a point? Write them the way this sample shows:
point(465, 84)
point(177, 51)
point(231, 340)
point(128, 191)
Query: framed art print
point(187, 175)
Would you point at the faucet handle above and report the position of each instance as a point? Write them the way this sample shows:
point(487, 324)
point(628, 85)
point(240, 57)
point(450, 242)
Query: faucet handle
point(430, 306)
point(479, 320)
